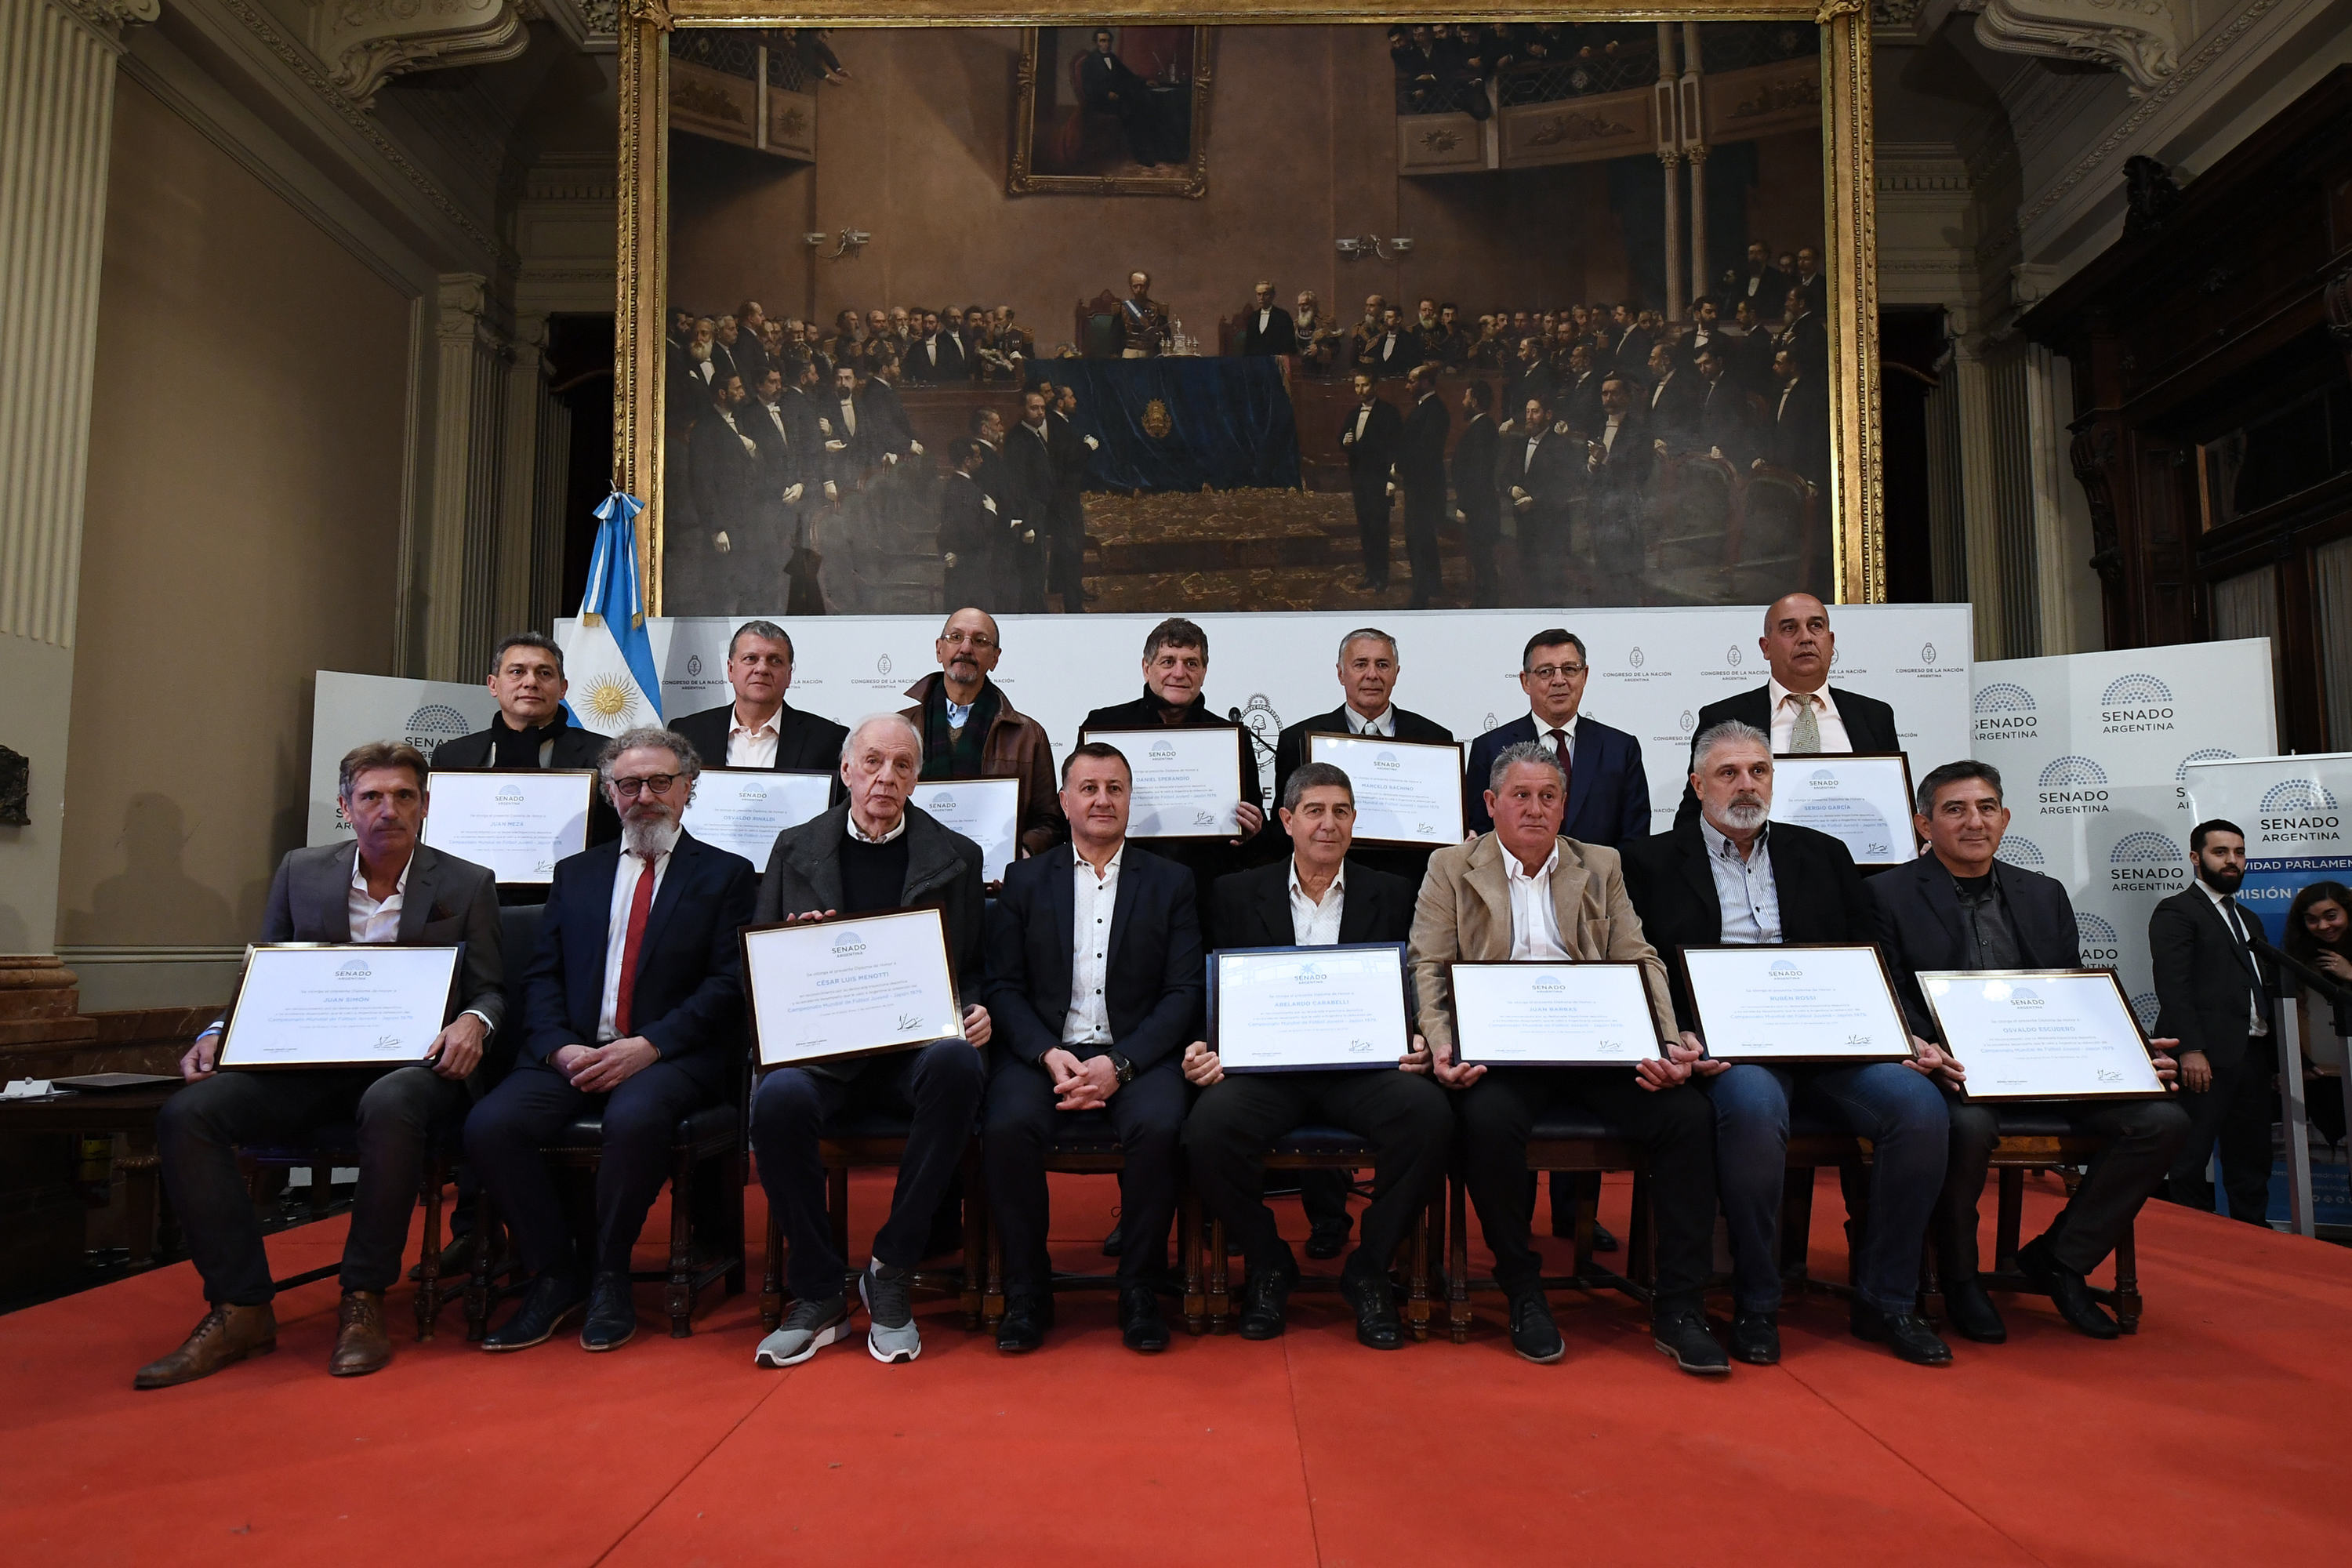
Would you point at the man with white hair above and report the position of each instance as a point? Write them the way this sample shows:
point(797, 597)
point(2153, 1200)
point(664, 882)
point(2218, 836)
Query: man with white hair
point(633, 1007)
point(874, 852)
point(1734, 878)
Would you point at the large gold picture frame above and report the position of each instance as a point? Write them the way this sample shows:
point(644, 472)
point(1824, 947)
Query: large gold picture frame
point(1850, 245)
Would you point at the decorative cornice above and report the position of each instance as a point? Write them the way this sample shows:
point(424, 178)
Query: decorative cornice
point(364, 43)
point(2140, 38)
point(107, 18)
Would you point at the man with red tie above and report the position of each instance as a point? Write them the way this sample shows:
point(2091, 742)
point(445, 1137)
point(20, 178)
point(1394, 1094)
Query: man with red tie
point(633, 1007)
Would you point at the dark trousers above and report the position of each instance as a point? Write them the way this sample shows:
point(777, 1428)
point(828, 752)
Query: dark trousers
point(1404, 1115)
point(515, 1119)
point(2236, 1113)
point(1676, 1128)
point(1019, 1128)
point(1484, 530)
point(1425, 509)
point(2140, 1137)
point(1543, 556)
point(1069, 565)
point(936, 1087)
point(1372, 523)
point(197, 1132)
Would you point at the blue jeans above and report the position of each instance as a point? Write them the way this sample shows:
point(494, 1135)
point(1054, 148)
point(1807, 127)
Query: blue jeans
point(1898, 1110)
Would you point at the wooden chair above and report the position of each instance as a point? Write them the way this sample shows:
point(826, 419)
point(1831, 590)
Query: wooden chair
point(864, 1142)
point(338, 1143)
point(1567, 1139)
point(1087, 1145)
point(1319, 1148)
point(2036, 1139)
point(1096, 329)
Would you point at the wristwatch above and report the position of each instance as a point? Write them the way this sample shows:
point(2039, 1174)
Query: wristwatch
point(1123, 1069)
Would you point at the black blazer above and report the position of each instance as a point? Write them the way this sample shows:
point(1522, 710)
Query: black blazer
point(574, 748)
point(1254, 906)
point(1918, 917)
point(1820, 894)
point(1799, 439)
point(690, 988)
point(1608, 789)
point(1153, 991)
point(1869, 725)
point(1290, 752)
point(2202, 979)
point(1474, 475)
point(1421, 446)
point(1368, 457)
point(805, 742)
point(1028, 496)
point(1280, 336)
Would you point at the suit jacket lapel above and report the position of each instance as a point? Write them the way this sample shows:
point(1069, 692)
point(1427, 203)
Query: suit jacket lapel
point(1122, 911)
point(1273, 909)
point(1568, 881)
point(416, 899)
point(1944, 901)
point(1063, 901)
point(1697, 874)
point(665, 897)
point(1493, 885)
point(1580, 776)
point(822, 871)
point(336, 918)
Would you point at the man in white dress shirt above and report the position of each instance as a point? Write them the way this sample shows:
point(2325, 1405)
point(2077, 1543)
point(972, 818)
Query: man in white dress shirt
point(759, 729)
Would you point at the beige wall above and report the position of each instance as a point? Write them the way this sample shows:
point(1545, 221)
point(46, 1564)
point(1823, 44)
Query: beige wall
point(242, 527)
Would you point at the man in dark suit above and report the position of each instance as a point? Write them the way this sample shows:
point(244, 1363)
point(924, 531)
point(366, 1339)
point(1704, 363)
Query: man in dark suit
point(1725, 430)
point(1474, 503)
point(1618, 463)
point(1421, 475)
point(1369, 438)
point(1759, 283)
point(1369, 669)
point(1798, 437)
point(2212, 996)
point(1533, 380)
point(1670, 407)
point(1733, 877)
point(967, 528)
point(723, 474)
point(1067, 515)
point(935, 358)
point(1797, 706)
point(1812, 280)
point(793, 476)
point(1316, 897)
point(1390, 350)
point(1957, 906)
point(873, 852)
point(1106, 85)
point(879, 395)
point(1629, 342)
point(1539, 474)
point(1267, 327)
point(531, 730)
point(1749, 360)
point(1094, 985)
point(759, 728)
point(1607, 790)
point(383, 888)
point(633, 1007)
point(1804, 337)
point(1029, 463)
point(851, 441)
point(1175, 667)
point(1577, 402)
point(751, 353)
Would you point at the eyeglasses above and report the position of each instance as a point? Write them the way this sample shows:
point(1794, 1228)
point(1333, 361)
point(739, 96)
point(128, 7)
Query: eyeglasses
point(968, 639)
point(1549, 671)
point(658, 784)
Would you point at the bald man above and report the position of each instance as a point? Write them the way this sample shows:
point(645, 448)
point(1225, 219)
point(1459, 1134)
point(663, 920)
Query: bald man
point(970, 730)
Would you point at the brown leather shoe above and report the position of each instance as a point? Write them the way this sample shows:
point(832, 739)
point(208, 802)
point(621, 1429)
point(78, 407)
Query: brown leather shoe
point(360, 1344)
point(227, 1334)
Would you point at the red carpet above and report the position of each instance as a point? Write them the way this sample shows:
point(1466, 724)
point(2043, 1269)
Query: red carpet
point(2215, 1437)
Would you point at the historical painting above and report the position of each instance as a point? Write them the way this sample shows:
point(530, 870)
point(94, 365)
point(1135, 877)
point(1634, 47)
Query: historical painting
point(1473, 315)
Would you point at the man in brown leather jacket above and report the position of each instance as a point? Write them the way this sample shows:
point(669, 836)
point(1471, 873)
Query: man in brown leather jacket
point(971, 731)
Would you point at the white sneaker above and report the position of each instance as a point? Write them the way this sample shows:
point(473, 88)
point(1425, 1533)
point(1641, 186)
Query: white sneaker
point(807, 1329)
point(890, 1331)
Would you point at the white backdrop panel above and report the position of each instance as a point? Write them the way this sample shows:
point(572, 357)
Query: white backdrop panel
point(2297, 830)
point(352, 709)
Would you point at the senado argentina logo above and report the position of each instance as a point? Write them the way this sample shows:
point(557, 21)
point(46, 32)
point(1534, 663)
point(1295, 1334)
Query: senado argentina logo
point(2023, 996)
point(1782, 969)
point(1821, 778)
point(2203, 754)
point(2145, 861)
point(1312, 974)
point(848, 944)
point(755, 792)
point(943, 801)
point(434, 723)
point(508, 795)
point(2072, 787)
point(2135, 704)
point(1386, 762)
point(1163, 752)
point(2304, 810)
point(2019, 851)
point(2146, 1007)
point(2096, 938)
point(1550, 985)
point(353, 969)
point(2004, 711)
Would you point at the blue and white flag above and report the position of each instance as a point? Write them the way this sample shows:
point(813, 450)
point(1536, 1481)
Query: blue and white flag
point(609, 657)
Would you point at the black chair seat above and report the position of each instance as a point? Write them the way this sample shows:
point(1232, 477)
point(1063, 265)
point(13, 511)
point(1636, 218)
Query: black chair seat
point(2035, 1121)
point(1324, 1142)
point(1086, 1132)
point(1573, 1121)
point(587, 1131)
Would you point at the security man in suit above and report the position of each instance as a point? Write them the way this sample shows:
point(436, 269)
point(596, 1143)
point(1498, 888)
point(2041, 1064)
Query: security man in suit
point(1474, 504)
point(1369, 438)
point(1421, 475)
point(385, 887)
point(1608, 791)
point(633, 1005)
point(2213, 994)
point(1734, 878)
point(759, 728)
point(1797, 706)
point(1266, 329)
point(1318, 896)
point(1094, 986)
point(1957, 906)
point(1029, 465)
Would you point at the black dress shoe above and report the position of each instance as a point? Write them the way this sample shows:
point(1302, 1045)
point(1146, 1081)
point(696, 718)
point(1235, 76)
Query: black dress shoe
point(551, 1299)
point(1533, 1333)
point(1602, 1241)
point(1756, 1338)
point(612, 1320)
point(1373, 1296)
point(1116, 1241)
point(1026, 1319)
point(1139, 1322)
point(1328, 1238)
point(1906, 1333)
point(1263, 1298)
point(1684, 1336)
point(2068, 1292)
point(1971, 1312)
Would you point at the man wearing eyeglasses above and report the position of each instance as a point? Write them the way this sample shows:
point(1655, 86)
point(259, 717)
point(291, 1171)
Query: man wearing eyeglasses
point(970, 730)
point(1607, 792)
point(633, 1007)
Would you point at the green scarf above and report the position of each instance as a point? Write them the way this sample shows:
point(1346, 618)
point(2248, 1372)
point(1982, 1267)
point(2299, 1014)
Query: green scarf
point(945, 754)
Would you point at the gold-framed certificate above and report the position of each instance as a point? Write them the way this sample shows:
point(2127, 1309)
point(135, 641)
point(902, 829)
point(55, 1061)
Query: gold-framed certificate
point(517, 822)
point(1548, 1013)
point(2041, 1034)
point(1187, 779)
point(1303, 1009)
point(1832, 1003)
point(742, 810)
point(985, 810)
point(1407, 792)
point(855, 985)
point(1861, 799)
point(310, 1005)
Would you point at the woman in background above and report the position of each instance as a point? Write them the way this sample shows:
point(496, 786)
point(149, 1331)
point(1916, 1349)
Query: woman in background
point(2319, 934)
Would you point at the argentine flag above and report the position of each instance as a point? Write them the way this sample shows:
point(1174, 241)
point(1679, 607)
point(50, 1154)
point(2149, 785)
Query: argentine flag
point(608, 658)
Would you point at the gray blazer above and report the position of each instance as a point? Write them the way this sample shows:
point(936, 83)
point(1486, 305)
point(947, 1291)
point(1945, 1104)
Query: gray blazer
point(448, 901)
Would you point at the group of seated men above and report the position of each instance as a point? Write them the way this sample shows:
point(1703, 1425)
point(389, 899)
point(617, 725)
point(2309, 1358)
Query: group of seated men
point(1084, 982)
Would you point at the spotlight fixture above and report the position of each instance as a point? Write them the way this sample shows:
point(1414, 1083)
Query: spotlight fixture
point(1362, 246)
point(844, 243)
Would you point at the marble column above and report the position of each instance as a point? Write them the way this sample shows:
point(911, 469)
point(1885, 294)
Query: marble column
point(461, 555)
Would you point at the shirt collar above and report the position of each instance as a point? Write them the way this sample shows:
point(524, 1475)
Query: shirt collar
point(1720, 847)
point(360, 882)
point(1515, 872)
point(1359, 725)
point(1779, 693)
point(1543, 729)
point(1078, 862)
point(736, 726)
point(860, 834)
point(2203, 887)
point(1338, 883)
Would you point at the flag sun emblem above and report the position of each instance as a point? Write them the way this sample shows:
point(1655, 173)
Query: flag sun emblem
point(610, 697)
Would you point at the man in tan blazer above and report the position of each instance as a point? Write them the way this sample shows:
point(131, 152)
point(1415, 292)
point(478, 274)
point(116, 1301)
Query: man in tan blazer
point(1523, 893)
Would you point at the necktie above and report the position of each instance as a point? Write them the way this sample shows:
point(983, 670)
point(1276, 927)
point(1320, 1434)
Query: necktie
point(640, 905)
point(1559, 749)
point(1805, 734)
point(2238, 929)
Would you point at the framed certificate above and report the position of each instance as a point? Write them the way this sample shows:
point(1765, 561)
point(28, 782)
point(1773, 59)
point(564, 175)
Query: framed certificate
point(742, 810)
point(308, 1005)
point(1828, 1004)
point(1861, 800)
point(1550, 1013)
point(987, 811)
point(1407, 792)
point(2041, 1034)
point(518, 822)
point(855, 986)
point(1187, 781)
point(1291, 1009)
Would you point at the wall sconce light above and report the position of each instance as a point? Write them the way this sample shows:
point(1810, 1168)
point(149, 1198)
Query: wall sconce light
point(1370, 245)
point(847, 241)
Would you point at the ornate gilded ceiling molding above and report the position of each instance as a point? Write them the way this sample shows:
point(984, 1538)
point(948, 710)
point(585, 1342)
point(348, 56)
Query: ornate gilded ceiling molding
point(366, 42)
point(107, 18)
point(2141, 38)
